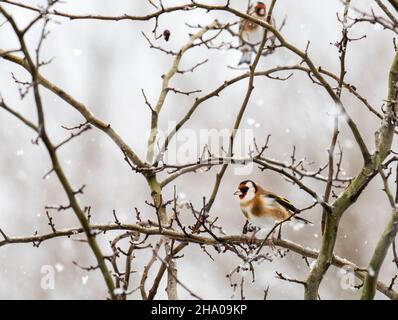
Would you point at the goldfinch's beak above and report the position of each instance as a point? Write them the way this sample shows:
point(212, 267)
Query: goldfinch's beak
point(237, 192)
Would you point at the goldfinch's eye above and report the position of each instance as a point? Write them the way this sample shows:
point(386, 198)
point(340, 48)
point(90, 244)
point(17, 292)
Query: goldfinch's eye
point(244, 190)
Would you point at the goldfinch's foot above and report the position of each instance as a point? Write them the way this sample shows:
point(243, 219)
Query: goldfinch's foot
point(266, 243)
point(280, 232)
point(252, 238)
point(270, 243)
point(246, 227)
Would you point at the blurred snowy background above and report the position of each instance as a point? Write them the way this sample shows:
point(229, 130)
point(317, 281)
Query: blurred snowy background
point(105, 65)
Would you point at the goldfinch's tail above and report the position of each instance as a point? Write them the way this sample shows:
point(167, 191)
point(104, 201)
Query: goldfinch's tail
point(246, 57)
point(302, 220)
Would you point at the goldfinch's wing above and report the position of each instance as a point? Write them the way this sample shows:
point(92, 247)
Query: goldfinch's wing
point(287, 204)
point(243, 22)
point(282, 201)
point(243, 29)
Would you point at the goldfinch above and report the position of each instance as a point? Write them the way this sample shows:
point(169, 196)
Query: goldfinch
point(250, 32)
point(263, 208)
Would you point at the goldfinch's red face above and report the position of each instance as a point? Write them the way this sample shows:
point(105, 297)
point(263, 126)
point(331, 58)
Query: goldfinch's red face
point(246, 190)
point(260, 9)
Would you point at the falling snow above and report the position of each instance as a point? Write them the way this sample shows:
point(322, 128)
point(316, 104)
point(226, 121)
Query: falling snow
point(59, 267)
point(297, 226)
point(118, 291)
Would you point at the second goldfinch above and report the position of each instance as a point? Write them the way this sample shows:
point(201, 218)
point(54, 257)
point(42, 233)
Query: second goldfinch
point(250, 33)
point(263, 208)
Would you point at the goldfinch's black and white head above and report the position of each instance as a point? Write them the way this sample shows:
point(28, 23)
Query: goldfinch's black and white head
point(246, 191)
point(260, 9)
